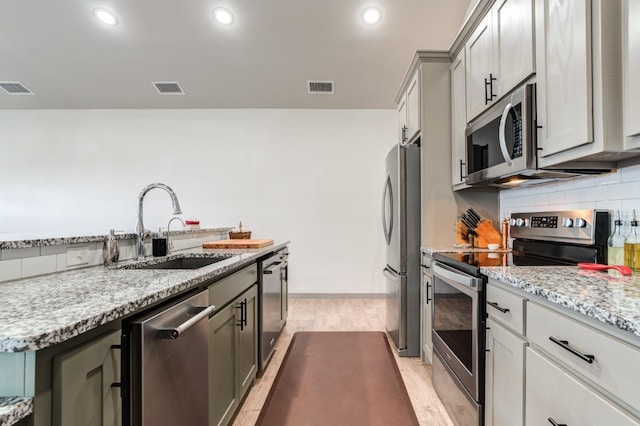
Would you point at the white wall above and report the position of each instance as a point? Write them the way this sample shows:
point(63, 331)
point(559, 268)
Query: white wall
point(612, 191)
point(310, 176)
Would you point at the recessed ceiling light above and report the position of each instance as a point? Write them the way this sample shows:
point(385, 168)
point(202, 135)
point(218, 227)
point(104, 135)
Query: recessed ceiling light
point(106, 17)
point(371, 15)
point(223, 16)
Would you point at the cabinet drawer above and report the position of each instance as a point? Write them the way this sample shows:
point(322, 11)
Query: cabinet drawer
point(499, 300)
point(613, 367)
point(223, 291)
point(551, 393)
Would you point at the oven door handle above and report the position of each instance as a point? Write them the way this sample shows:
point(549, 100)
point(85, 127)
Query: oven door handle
point(454, 277)
point(501, 137)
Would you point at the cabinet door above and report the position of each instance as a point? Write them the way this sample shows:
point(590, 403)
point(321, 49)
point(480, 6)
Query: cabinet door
point(552, 393)
point(82, 379)
point(458, 121)
point(247, 340)
point(284, 294)
point(504, 387)
point(402, 121)
point(479, 63)
point(513, 43)
point(563, 64)
point(427, 319)
point(632, 74)
point(413, 107)
point(222, 365)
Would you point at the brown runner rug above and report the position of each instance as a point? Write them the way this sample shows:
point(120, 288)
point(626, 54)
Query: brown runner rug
point(338, 378)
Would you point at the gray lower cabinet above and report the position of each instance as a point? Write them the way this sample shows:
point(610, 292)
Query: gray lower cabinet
point(233, 345)
point(83, 394)
point(555, 397)
point(504, 386)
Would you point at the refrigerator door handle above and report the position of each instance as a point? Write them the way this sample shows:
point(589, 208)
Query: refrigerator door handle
point(388, 194)
point(390, 274)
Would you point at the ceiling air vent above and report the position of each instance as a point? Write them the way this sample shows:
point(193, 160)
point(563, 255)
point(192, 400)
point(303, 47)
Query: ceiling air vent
point(316, 87)
point(15, 88)
point(168, 87)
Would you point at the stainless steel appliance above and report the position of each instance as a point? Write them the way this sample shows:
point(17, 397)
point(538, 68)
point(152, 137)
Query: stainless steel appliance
point(459, 301)
point(401, 225)
point(501, 145)
point(270, 299)
point(167, 360)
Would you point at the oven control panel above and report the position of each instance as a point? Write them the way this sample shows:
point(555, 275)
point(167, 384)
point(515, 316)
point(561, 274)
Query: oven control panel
point(576, 226)
point(544, 221)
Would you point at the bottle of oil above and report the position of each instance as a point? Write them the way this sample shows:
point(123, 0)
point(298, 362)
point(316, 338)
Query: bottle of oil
point(615, 244)
point(632, 246)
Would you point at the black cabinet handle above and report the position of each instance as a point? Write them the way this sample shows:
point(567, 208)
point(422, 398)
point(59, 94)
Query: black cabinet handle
point(496, 306)
point(554, 423)
point(491, 80)
point(486, 92)
point(242, 322)
point(565, 345)
point(244, 313)
point(462, 174)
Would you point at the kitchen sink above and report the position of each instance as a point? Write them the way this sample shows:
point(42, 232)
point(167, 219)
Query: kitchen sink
point(183, 262)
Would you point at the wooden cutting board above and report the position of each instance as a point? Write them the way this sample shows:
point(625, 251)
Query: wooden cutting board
point(231, 244)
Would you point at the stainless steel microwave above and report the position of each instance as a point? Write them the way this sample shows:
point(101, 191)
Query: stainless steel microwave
point(501, 141)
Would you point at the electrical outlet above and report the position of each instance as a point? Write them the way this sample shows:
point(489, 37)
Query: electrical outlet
point(77, 256)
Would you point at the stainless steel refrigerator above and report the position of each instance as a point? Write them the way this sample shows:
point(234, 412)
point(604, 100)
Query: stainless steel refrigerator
point(401, 225)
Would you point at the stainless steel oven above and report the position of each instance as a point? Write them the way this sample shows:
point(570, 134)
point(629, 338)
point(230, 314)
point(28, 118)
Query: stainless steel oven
point(458, 341)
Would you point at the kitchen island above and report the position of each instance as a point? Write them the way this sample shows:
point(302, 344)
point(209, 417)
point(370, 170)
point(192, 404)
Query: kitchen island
point(60, 309)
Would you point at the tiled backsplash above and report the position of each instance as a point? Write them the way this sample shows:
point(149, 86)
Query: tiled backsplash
point(612, 191)
point(16, 263)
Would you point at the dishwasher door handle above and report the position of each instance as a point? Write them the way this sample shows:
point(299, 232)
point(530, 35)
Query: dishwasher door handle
point(271, 268)
point(175, 332)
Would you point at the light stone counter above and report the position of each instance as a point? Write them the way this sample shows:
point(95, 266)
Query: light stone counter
point(14, 409)
point(42, 311)
point(613, 300)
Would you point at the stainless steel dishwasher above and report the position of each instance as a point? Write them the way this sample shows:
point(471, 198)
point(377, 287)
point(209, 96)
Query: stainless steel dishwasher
point(270, 306)
point(168, 364)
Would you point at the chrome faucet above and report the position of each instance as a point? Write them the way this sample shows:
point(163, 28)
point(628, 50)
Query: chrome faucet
point(170, 243)
point(140, 231)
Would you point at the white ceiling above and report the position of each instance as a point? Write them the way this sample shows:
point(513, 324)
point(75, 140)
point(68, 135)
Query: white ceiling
point(70, 60)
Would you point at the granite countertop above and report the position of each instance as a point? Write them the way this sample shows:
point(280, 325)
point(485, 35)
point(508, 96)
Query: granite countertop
point(46, 242)
point(42, 311)
point(452, 249)
point(14, 409)
point(599, 295)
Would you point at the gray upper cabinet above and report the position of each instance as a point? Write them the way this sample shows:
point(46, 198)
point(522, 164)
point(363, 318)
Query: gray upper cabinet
point(479, 56)
point(458, 122)
point(499, 54)
point(579, 83)
point(513, 41)
point(563, 30)
point(409, 111)
point(631, 72)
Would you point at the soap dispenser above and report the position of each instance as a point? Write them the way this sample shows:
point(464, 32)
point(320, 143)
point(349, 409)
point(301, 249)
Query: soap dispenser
point(110, 249)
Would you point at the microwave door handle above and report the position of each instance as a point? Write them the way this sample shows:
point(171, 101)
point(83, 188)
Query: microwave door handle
point(503, 142)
